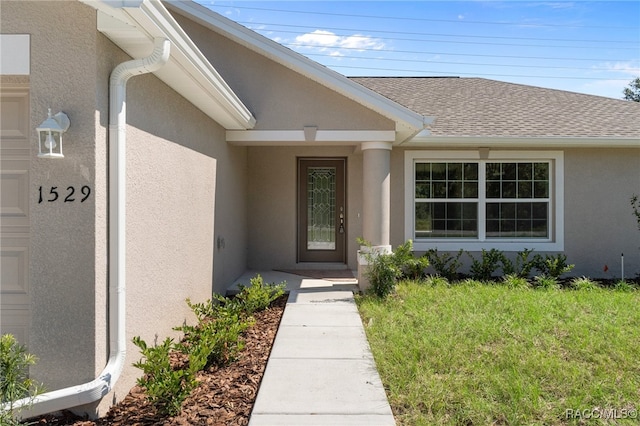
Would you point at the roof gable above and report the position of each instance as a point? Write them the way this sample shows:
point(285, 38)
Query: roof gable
point(408, 122)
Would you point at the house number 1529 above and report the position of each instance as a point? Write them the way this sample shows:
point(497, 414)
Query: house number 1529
point(55, 194)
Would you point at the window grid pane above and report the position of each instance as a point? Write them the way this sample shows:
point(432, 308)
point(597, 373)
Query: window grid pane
point(446, 180)
point(446, 220)
point(517, 220)
point(516, 205)
point(517, 180)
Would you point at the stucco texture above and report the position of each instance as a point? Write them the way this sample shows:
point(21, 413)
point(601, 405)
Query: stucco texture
point(63, 235)
point(185, 189)
point(272, 203)
point(278, 97)
point(185, 184)
point(599, 224)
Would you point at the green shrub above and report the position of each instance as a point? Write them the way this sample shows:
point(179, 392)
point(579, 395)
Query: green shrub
point(165, 387)
point(624, 286)
point(215, 339)
point(258, 296)
point(515, 281)
point(522, 266)
point(583, 283)
point(545, 282)
point(410, 267)
point(445, 264)
point(552, 265)
point(15, 383)
point(484, 268)
point(382, 273)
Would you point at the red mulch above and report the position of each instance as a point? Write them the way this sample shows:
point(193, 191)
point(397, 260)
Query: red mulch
point(225, 395)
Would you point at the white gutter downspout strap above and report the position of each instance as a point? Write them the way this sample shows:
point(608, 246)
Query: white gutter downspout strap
point(95, 390)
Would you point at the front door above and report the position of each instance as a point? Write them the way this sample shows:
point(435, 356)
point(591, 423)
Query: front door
point(321, 210)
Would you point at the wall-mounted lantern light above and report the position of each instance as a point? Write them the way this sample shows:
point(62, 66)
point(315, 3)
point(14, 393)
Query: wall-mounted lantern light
point(50, 135)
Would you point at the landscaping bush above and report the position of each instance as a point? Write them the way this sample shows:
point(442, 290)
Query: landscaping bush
point(382, 273)
point(215, 339)
point(522, 266)
point(15, 383)
point(445, 264)
point(385, 269)
point(484, 268)
point(552, 265)
point(165, 387)
point(258, 295)
point(410, 267)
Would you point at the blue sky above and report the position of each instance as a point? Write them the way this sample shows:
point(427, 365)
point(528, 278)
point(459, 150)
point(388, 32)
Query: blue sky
point(579, 46)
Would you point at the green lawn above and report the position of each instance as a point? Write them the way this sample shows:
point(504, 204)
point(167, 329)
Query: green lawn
point(478, 354)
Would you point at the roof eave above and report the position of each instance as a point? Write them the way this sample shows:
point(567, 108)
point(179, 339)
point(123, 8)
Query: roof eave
point(133, 25)
point(423, 140)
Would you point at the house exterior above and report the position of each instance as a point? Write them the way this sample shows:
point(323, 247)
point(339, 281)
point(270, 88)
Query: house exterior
point(198, 150)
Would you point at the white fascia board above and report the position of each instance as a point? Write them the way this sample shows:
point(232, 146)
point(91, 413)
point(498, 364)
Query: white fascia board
point(188, 71)
point(297, 137)
point(423, 140)
point(407, 121)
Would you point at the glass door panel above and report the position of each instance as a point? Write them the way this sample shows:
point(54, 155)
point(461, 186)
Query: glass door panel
point(321, 208)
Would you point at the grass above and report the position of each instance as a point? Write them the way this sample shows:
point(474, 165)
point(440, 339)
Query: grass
point(480, 354)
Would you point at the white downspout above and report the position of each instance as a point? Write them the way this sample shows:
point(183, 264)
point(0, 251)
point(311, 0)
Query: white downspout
point(93, 391)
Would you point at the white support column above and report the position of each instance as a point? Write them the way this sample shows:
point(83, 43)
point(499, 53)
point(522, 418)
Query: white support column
point(376, 209)
point(376, 188)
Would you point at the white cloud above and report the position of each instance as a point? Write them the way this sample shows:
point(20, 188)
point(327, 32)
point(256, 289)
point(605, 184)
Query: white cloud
point(626, 68)
point(328, 42)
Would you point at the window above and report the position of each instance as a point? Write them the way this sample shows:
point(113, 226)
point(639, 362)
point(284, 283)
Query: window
point(508, 200)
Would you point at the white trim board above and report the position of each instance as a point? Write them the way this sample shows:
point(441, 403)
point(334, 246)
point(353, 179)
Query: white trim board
point(297, 137)
point(15, 54)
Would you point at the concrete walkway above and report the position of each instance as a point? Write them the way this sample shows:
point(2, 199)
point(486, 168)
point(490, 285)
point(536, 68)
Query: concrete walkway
point(321, 371)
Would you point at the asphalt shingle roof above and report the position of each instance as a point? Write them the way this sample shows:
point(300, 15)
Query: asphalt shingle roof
point(489, 108)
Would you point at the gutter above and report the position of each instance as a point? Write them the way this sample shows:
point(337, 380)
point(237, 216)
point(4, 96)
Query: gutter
point(98, 388)
point(425, 140)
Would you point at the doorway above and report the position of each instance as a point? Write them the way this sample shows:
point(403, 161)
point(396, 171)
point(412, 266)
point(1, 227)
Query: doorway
point(322, 210)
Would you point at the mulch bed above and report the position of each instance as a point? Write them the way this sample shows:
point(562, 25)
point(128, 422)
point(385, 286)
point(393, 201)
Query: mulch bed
point(225, 395)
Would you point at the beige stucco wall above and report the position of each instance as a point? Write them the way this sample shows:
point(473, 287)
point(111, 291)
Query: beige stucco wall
point(598, 219)
point(179, 171)
point(64, 236)
point(279, 98)
point(185, 189)
point(272, 203)
point(599, 224)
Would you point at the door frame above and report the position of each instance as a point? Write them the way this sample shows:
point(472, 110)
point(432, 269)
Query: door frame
point(339, 255)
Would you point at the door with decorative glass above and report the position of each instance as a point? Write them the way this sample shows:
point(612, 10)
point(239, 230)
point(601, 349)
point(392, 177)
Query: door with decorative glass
point(321, 210)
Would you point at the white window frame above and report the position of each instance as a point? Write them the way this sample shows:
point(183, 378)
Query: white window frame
point(555, 242)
